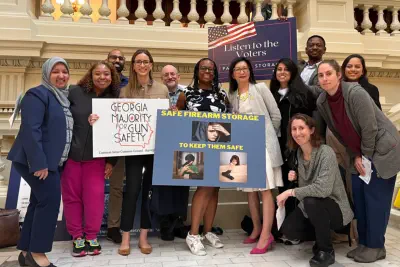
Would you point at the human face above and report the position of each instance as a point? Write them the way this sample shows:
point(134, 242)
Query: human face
point(315, 49)
point(101, 78)
point(59, 76)
point(142, 65)
point(212, 134)
point(328, 78)
point(206, 72)
point(354, 69)
point(117, 59)
point(170, 77)
point(283, 75)
point(234, 162)
point(301, 133)
point(241, 72)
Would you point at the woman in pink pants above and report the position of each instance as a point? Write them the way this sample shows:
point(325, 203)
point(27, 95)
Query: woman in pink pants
point(82, 182)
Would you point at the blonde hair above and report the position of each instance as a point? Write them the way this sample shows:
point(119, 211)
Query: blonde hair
point(131, 90)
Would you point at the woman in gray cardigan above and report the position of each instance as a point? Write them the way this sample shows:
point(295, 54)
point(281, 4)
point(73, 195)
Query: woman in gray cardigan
point(247, 96)
point(372, 140)
point(323, 201)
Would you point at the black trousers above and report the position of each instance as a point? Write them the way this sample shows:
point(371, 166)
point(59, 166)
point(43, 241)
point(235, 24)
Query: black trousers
point(136, 180)
point(323, 215)
point(291, 203)
point(41, 217)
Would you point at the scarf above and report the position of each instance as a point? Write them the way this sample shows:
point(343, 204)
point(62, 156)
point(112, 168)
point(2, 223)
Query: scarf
point(61, 95)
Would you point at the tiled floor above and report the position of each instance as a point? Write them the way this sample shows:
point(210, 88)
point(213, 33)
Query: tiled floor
point(176, 253)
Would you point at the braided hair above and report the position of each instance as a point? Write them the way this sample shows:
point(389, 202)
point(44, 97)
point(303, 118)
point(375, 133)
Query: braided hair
point(215, 83)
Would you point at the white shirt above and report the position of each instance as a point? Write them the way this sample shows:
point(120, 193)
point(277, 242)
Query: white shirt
point(308, 72)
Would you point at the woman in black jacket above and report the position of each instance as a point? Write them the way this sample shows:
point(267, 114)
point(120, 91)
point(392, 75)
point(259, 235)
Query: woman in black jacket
point(82, 182)
point(354, 70)
point(292, 96)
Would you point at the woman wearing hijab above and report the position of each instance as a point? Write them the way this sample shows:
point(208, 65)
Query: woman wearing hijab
point(38, 153)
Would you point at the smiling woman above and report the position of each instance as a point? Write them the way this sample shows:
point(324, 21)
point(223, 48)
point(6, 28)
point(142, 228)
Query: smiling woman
point(82, 171)
point(354, 70)
point(323, 201)
point(38, 153)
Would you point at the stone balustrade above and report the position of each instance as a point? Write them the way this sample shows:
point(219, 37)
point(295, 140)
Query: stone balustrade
point(83, 11)
point(377, 17)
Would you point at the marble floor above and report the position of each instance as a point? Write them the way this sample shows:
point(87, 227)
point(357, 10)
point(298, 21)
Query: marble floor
point(176, 253)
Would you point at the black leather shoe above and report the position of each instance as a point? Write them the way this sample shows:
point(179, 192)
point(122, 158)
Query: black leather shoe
point(323, 259)
point(315, 249)
point(30, 261)
point(114, 235)
point(21, 260)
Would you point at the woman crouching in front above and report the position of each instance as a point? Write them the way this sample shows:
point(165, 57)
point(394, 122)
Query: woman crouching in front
point(323, 201)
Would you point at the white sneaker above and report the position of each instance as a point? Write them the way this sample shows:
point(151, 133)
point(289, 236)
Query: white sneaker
point(213, 240)
point(195, 245)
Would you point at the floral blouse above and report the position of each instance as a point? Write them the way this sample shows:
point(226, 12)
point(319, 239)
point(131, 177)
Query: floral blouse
point(205, 100)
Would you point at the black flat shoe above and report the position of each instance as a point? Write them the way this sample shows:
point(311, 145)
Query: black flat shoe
point(21, 260)
point(114, 235)
point(30, 261)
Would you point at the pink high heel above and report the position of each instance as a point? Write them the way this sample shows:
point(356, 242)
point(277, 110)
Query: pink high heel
point(250, 240)
point(265, 249)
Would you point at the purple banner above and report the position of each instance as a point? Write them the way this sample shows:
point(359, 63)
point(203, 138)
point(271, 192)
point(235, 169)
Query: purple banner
point(263, 43)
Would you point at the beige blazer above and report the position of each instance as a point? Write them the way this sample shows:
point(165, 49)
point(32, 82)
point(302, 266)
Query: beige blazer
point(263, 103)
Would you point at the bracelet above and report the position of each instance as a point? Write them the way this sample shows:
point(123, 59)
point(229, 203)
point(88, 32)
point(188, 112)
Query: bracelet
point(292, 193)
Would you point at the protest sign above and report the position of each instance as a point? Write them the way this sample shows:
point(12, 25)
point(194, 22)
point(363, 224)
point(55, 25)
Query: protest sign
point(263, 43)
point(210, 149)
point(126, 126)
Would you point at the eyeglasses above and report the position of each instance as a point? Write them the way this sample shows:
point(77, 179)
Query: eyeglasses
point(241, 69)
point(205, 69)
point(167, 74)
point(140, 62)
point(113, 57)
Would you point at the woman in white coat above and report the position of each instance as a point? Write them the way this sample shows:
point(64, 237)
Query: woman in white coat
point(248, 96)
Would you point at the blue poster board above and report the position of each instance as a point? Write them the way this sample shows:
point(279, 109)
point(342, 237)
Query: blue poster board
point(263, 43)
point(209, 149)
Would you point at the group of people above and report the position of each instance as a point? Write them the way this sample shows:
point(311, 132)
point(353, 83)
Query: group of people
point(323, 125)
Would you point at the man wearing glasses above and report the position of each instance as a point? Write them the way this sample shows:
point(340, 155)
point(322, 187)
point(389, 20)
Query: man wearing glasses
point(170, 78)
point(116, 57)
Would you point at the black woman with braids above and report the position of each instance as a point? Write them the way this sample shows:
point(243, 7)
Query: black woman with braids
point(203, 94)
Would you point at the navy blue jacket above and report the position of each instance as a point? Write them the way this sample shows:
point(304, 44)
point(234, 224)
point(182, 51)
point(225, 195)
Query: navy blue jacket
point(42, 135)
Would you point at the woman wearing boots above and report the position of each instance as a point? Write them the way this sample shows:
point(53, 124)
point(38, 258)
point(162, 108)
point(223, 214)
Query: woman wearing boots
point(323, 201)
point(370, 139)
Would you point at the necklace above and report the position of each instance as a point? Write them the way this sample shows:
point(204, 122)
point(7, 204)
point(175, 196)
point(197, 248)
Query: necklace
point(243, 97)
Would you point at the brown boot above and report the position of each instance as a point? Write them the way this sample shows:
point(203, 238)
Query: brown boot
point(367, 255)
point(355, 251)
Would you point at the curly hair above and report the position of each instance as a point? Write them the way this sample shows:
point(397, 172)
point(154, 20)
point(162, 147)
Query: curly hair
point(215, 83)
point(87, 81)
